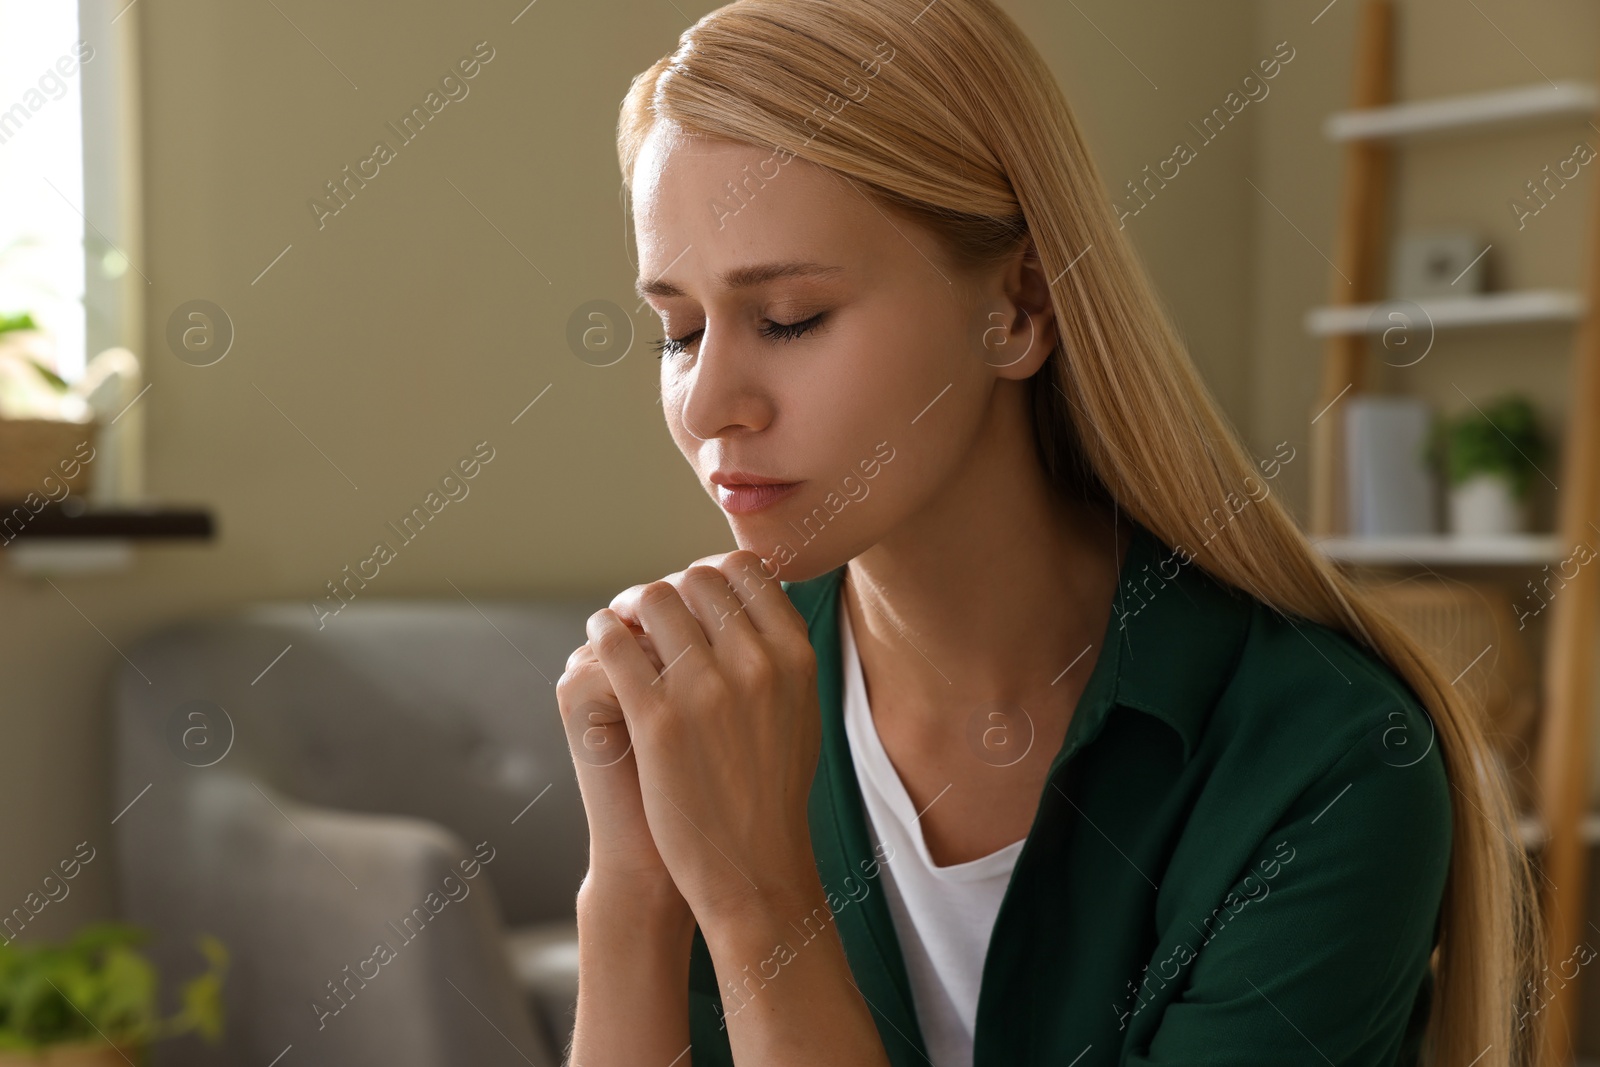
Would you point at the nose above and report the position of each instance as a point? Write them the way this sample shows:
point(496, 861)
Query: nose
point(723, 392)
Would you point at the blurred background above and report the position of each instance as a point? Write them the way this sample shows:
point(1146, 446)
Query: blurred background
point(241, 347)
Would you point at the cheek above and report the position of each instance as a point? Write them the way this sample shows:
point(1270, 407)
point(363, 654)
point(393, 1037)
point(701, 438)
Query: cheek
point(886, 375)
point(842, 407)
point(912, 402)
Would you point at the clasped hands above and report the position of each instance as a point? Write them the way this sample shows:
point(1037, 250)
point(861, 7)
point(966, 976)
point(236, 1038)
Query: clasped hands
point(693, 721)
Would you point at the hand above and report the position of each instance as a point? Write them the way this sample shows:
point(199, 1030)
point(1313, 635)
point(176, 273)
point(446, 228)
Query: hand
point(623, 860)
point(726, 728)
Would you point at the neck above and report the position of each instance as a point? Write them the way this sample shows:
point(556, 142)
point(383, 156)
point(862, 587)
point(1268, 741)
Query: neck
point(990, 592)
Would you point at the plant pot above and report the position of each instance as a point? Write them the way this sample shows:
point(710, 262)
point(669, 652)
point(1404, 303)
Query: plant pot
point(1485, 506)
point(96, 1053)
point(36, 454)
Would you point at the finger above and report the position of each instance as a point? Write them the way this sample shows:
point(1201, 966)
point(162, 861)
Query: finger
point(710, 600)
point(626, 603)
point(748, 575)
point(584, 653)
point(671, 625)
point(631, 673)
point(766, 605)
point(629, 597)
point(596, 728)
point(597, 736)
point(720, 611)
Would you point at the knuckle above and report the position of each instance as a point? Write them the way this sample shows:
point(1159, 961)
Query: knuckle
point(657, 591)
point(611, 641)
point(627, 597)
point(799, 657)
point(704, 573)
point(583, 653)
point(569, 693)
point(718, 562)
point(752, 579)
point(745, 559)
point(576, 680)
point(757, 671)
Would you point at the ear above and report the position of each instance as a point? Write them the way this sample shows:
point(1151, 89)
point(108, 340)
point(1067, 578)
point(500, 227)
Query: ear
point(1021, 329)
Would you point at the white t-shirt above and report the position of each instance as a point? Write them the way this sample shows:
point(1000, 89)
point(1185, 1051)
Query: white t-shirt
point(943, 916)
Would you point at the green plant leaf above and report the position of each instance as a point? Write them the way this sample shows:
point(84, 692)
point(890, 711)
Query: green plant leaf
point(58, 383)
point(1503, 438)
point(202, 995)
point(125, 1002)
point(41, 1013)
point(22, 320)
point(100, 984)
point(100, 935)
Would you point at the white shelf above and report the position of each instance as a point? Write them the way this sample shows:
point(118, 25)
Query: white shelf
point(1454, 114)
point(1442, 549)
point(1533, 834)
point(1486, 309)
point(69, 555)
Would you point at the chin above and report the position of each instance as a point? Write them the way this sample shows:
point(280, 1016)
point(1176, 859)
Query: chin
point(784, 559)
point(803, 565)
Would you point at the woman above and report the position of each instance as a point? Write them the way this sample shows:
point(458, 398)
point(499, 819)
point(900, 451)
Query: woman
point(1024, 726)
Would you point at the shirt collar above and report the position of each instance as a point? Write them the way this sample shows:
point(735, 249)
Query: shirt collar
point(1173, 640)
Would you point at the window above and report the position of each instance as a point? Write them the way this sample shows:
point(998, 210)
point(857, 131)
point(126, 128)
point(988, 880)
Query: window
point(67, 167)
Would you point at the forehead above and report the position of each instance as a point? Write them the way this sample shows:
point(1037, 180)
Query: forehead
point(708, 204)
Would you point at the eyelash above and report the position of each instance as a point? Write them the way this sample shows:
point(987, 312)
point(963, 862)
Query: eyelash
point(777, 331)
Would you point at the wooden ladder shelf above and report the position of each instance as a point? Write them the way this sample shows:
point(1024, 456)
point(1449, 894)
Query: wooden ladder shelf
point(1371, 132)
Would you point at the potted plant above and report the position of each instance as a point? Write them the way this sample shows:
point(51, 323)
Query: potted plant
point(1489, 458)
point(91, 1002)
point(42, 417)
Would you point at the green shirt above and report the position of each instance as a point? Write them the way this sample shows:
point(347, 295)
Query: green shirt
point(1238, 858)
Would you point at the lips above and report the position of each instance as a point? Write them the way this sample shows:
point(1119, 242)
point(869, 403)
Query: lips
point(744, 498)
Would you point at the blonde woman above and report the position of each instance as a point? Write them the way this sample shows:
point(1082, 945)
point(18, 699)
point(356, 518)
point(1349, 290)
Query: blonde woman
point(1024, 726)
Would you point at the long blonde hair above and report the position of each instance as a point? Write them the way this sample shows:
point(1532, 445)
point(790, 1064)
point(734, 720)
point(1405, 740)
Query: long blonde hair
point(946, 112)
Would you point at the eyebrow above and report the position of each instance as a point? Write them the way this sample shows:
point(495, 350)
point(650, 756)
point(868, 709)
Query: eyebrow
point(744, 277)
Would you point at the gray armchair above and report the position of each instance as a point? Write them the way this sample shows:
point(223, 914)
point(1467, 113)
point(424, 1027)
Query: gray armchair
point(377, 817)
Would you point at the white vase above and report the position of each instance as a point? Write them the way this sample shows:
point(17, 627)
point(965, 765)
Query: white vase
point(1485, 506)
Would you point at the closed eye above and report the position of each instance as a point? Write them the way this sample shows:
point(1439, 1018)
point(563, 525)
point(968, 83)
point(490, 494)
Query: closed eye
point(777, 331)
point(673, 345)
point(789, 331)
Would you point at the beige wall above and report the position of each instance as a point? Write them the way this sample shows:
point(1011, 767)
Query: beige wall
point(412, 326)
point(1136, 74)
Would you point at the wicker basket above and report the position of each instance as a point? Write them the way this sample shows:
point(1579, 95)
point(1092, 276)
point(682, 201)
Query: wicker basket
point(33, 450)
point(1471, 625)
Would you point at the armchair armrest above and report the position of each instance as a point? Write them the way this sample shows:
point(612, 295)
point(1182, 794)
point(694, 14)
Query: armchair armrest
point(355, 938)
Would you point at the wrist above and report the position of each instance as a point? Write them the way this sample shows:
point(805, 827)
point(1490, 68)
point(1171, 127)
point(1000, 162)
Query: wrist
point(754, 917)
point(639, 905)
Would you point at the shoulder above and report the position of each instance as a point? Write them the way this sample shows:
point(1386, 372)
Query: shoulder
point(1320, 779)
point(1286, 719)
point(1311, 694)
point(1315, 739)
point(1308, 876)
point(1252, 690)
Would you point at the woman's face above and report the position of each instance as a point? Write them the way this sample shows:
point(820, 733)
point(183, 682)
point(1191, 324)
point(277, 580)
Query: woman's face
point(816, 341)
